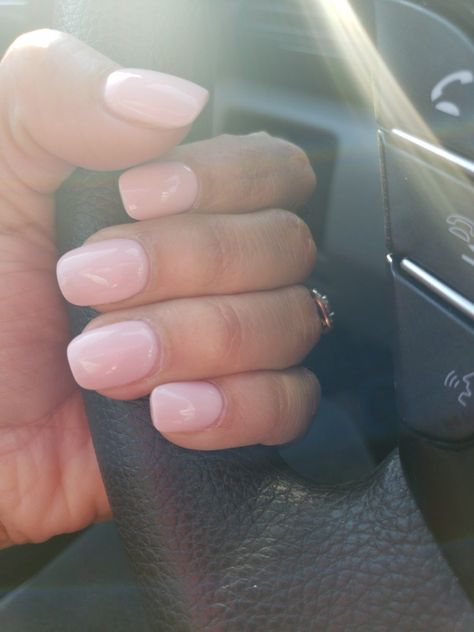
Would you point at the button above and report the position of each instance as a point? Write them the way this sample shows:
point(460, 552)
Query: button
point(431, 215)
point(435, 364)
point(433, 62)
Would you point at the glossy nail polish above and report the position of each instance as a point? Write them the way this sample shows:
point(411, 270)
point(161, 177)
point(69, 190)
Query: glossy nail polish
point(113, 355)
point(186, 406)
point(104, 272)
point(160, 188)
point(154, 98)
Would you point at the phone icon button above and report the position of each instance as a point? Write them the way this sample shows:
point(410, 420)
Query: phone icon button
point(463, 228)
point(432, 61)
point(463, 77)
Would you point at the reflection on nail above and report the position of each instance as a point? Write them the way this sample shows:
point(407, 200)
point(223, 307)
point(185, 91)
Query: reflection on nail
point(185, 406)
point(113, 355)
point(160, 188)
point(154, 98)
point(104, 272)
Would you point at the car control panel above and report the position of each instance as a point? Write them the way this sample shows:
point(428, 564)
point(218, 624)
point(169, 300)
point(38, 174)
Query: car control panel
point(425, 109)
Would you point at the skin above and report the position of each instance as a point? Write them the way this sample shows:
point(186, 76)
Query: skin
point(49, 478)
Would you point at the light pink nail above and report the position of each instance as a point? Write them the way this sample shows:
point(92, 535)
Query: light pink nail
point(104, 272)
point(186, 406)
point(154, 98)
point(114, 355)
point(160, 188)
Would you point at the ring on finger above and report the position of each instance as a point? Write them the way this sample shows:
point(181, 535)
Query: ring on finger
point(325, 313)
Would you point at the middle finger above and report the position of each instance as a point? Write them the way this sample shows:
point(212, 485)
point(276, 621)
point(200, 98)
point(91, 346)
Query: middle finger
point(185, 256)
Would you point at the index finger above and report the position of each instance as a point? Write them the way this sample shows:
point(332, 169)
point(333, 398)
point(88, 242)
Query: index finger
point(227, 174)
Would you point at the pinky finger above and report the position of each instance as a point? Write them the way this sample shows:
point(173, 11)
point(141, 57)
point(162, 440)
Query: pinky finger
point(266, 407)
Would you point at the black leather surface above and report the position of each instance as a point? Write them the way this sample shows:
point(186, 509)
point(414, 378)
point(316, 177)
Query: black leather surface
point(232, 541)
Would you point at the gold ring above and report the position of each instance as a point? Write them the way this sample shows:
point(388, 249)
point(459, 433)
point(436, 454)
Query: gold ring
point(325, 313)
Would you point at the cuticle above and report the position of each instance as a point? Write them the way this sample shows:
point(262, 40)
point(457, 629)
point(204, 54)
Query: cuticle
point(161, 353)
point(197, 200)
point(225, 406)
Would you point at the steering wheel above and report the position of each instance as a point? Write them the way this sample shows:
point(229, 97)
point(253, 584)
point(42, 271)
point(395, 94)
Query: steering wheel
point(235, 540)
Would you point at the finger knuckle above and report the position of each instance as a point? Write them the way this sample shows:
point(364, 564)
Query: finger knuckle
point(221, 253)
point(311, 389)
point(295, 398)
point(280, 219)
point(30, 59)
point(301, 161)
point(308, 249)
point(227, 331)
point(33, 47)
point(312, 382)
point(283, 399)
point(24, 41)
point(300, 165)
point(275, 430)
point(299, 240)
point(261, 136)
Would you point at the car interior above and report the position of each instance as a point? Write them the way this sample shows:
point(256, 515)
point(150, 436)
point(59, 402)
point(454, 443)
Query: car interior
point(366, 523)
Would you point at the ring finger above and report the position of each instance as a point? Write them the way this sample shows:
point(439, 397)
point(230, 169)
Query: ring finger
point(126, 354)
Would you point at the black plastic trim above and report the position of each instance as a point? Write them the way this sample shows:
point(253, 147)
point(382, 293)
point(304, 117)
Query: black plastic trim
point(441, 478)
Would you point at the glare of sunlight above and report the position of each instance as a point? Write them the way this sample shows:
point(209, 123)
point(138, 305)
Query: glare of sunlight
point(41, 38)
point(370, 73)
point(365, 62)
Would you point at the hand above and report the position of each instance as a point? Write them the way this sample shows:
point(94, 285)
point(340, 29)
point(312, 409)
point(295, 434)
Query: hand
point(202, 308)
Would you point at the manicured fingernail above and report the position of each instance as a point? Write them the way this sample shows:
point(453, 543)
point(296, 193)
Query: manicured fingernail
point(113, 355)
point(160, 188)
point(185, 406)
point(154, 98)
point(104, 272)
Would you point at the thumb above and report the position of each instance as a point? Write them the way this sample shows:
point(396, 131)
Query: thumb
point(63, 104)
